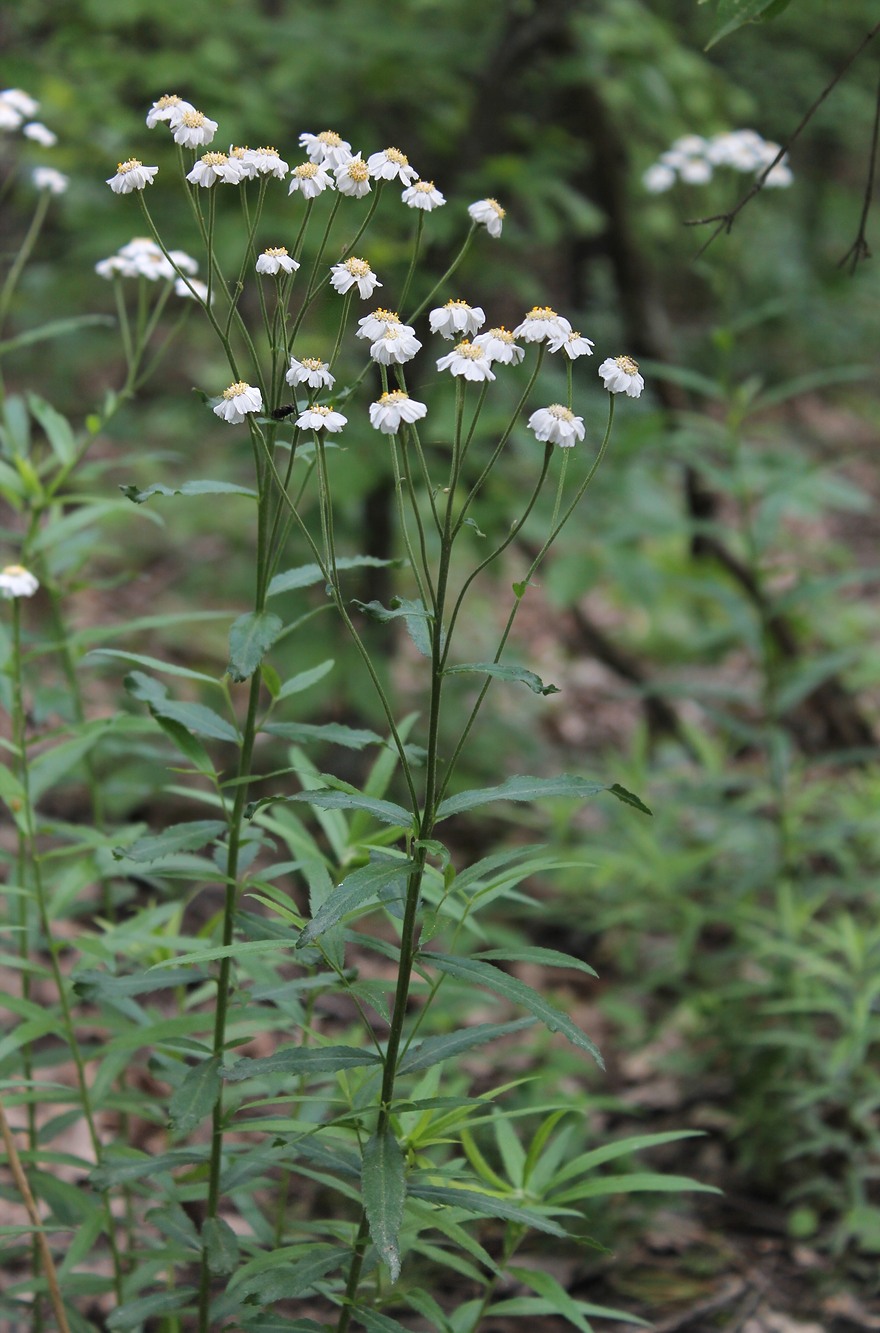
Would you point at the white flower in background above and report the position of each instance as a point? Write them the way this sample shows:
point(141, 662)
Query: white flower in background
point(392, 408)
point(456, 317)
point(659, 178)
point(47, 178)
point(620, 374)
point(10, 119)
point(778, 177)
point(111, 268)
point(557, 425)
point(19, 101)
point(195, 291)
point(374, 326)
point(169, 109)
point(40, 134)
point(695, 170)
point(467, 360)
point(740, 149)
point(326, 148)
point(214, 167)
point(194, 129)
point(396, 345)
point(321, 418)
point(541, 322)
point(16, 581)
point(311, 179)
point(353, 177)
point(354, 273)
point(276, 259)
point(391, 164)
point(181, 260)
point(266, 161)
point(499, 345)
point(573, 344)
point(131, 175)
point(690, 145)
point(422, 194)
point(238, 400)
point(311, 371)
point(490, 213)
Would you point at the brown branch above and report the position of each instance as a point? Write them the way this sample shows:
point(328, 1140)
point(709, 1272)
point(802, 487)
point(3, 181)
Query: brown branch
point(860, 249)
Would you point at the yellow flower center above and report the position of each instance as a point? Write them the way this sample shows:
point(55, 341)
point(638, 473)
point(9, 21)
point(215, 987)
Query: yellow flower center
point(235, 389)
point(358, 171)
point(541, 312)
point(397, 157)
point(169, 99)
point(470, 350)
point(627, 364)
point(306, 171)
point(193, 119)
point(124, 167)
point(15, 571)
point(561, 413)
point(393, 398)
point(330, 138)
point(275, 251)
point(214, 159)
point(503, 335)
point(239, 152)
point(457, 304)
point(423, 187)
point(496, 207)
point(312, 363)
point(386, 316)
point(358, 268)
point(322, 411)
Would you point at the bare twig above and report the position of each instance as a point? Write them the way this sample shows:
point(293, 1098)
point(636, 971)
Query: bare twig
point(860, 249)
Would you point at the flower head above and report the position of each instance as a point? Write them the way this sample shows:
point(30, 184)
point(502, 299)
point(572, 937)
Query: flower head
point(195, 291)
point(391, 164)
point(467, 360)
point(396, 345)
point(311, 179)
point(47, 178)
point(373, 326)
point(424, 195)
point(131, 175)
point(214, 167)
point(310, 371)
point(557, 425)
point(659, 178)
point(353, 177)
point(499, 346)
point(40, 134)
point(169, 108)
point(16, 581)
point(20, 102)
point(456, 317)
point(194, 129)
point(276, 259)
point(326, 148)
point(490, 213)
point(142, 258)
point(392, 408)
point(541, 322)
point(321, 418)
point(263, 162)
point(238, 400)
point(573, 344)
point(354, 273)
point(620, 374)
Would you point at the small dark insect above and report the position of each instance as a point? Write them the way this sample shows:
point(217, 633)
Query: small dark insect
point(281, 412)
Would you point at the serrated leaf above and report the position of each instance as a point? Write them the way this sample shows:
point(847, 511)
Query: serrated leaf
point(502, 672)
point(195, 1097)
point(187, 837)
point(733, 14)
point(221, 1246)
point(360, 886)
point(138, 497)
point(331, 733)
point(510, 988)
point(303, 1060)
point(306, 576)
point(383, 1186)
point(250, 638)
point(196, 718)
point(489, 1205)
point(330, 799)
point(433, 1050)
point(412, 611)
point(133, 1314)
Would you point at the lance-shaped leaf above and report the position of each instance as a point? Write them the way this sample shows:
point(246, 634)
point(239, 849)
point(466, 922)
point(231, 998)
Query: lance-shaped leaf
point(188, 837)
point(56, 328)
point(503, 672)
point(533, 789)
point(250, 638)
point(733, 14)
point(133, 1314)
point(534, 953)
point(490, 1205)
point(303, 1060)
point(330, 799)
point(187, 488)
point(272, 1278)
point(305, 576)
point(451, 1044)
point(511, 988)
point(196, 718)
point(331, 733)
point(221, 1245)
point(194, 1099)
point(383, 1185)
point(355, 889)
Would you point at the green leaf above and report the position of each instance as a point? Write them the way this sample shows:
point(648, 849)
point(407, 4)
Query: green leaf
point(57, 428)
point(304, 679)
point(520, 789)
point(331, 733)
point(500, 672)
point(187, 488)
point(355, 889)
point(383, 1185)
point(133, 1314)
point(733, 14)
point(489, 1205)
point(638, 1182)
point(536, 954)
point(154, 663)
point(376, 1322)
point(188, 837)
point(608, 1152)
point(56, 328)
point(136, 1165)
point(329, 799)
point(305, 576)
point(195, 1097)
point(629, 798)
point(510, 988)
point(546, 1285)
point(250, 638)
point(221, 1245)
point(99, 987)
point(435, 1049)
point(271, 1278)
point(196, 718)
point(412, 611)
point(303, 1060)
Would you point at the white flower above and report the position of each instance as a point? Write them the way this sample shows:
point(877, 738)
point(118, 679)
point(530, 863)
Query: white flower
point(499, 346)
point(778, 177)
point(180, 259)
point(264, 161)
point(214, 167)
point(193, 129)
point(456, 317)
point(19, 101)
point(311, 179)
point(321, 418)
point(541, 322)
point(374, 326)
point(326, 148)
point(195, 291)
point(396, 345)
point(490, 213)
point(392, 408)
point(276, 258)
point(47, 178)
point(691, 145)
point(556, 425)
point(169, 108)
point(740, 149)
point(354, 272)
point(16, 581)
point(40, 134)
point(311, 371)
point(391, 164)
point(131, 175)
point(353, 177)
point(110, 268)
point(10, 119)
point(422, 194)
point(238, 400)
point(695, 170)
point(658, 178)
point(572, 344)
point(620, 374)
point(467, 360)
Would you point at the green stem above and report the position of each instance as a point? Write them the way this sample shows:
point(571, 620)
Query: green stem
point(24, 253)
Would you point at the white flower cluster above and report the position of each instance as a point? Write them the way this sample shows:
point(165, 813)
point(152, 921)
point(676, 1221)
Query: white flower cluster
point(142, 258)
point(16, 581)
point(693, 160)
point(17, 109)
